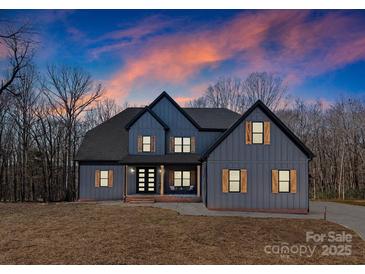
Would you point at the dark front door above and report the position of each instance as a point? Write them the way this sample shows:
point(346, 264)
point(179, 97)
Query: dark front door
point(146, 180)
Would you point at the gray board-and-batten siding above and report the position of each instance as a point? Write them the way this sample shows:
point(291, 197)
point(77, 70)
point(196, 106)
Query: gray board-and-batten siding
point(259, 160)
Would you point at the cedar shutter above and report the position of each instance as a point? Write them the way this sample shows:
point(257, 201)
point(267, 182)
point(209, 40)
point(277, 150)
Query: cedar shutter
point(225, 180)
point(153, 143)
point(110, 178)
point(139, 144)
point(193, 143)
point(267, 133)
point(274, 181)
point(171, 178)
point(244, 180)
point(248, 132)
point(172, 144)
point(293, 181)
point(97, 178)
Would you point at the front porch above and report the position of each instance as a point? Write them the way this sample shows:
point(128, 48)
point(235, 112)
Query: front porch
point(162, 183)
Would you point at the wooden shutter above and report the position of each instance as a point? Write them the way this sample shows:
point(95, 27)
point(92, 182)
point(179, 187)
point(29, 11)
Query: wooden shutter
point(274, 181)
point(243, 180)
point(293, 181)
point(193, 143)
point(97, 178)
point(110, 178)
point(267, 133)
point(153, 143)
point(248, 132)
point(225, 180)
point(139, 143)
point(172, 144)
point(171, 177)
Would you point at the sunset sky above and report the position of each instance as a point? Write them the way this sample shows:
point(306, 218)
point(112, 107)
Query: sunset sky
point(138, 54)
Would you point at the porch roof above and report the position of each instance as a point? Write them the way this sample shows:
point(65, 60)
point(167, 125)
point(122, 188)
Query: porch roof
point(162, 159)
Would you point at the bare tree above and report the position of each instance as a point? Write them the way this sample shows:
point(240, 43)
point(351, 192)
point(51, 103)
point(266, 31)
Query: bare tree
point(20, 48)
point(267, 87)
point(70, 91)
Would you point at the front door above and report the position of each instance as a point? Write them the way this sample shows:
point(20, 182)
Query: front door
point(146, 180)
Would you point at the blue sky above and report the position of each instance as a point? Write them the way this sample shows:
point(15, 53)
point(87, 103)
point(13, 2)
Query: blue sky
point(138, 53)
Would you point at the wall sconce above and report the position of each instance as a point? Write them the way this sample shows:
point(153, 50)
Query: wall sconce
point(132, 170)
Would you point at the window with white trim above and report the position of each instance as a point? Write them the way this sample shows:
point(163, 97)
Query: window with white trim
point(182, 144)
point(146, 143)
point(284, 181)
point(104, 177)
point(181, 178)
point(257, 132)
point(234, 180)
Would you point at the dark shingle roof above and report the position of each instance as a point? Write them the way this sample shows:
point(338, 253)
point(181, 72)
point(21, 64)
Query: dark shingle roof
point(216, 118)
point(109, 140)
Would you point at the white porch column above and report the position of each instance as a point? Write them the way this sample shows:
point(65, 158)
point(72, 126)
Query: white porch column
point(198, 180)
point(162, 173)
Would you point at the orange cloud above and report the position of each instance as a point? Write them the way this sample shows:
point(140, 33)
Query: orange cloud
point(298, 48)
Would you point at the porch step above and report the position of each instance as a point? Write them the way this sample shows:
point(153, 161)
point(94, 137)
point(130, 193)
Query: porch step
point(139, 200)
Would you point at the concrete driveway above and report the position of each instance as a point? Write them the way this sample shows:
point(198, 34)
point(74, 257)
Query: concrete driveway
point(350, 216)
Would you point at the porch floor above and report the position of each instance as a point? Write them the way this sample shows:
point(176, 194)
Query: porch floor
point(173, 198)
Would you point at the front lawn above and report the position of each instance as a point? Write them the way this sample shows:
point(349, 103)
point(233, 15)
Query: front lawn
point(99, 233)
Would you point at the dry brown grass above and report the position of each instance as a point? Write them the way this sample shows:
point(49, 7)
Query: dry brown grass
point(115, 234)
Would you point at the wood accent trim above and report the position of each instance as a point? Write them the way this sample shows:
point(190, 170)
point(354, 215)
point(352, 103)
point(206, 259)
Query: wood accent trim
point(97, 178)
point(225, 180)
point(244, 180)
point(274, 181)
point(267, 133)
point(248, 132)
point(172, 144)
point(110, 178)
point(198, 180)
point(193, 144)
point(293, 181)
point(153, 143)
point(268, 210)
point(162, 168)
point(139, 143)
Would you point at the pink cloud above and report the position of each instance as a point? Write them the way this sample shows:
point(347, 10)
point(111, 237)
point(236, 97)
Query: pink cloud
point(302, 49)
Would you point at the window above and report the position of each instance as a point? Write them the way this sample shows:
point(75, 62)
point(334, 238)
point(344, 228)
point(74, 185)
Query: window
point(181, 178)
point(146, 143)
point(182, 144)
point(104, 176)
point(257, 132)
point(234, 181)
point(284, 181)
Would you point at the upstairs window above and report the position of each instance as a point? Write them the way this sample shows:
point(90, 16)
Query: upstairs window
point(284, 181)
point(181, 178)
point(234, 181)
point(146, 143)
point(257, 132)
point(182, 144)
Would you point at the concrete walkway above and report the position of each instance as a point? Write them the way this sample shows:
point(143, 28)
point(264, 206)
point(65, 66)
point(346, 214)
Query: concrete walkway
point(350, 216)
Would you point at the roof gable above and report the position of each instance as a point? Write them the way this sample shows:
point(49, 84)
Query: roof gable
point(176, 105)
point(140, 114)
point(274, 118)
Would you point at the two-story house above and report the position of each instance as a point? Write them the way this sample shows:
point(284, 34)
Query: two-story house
point(164, 152)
